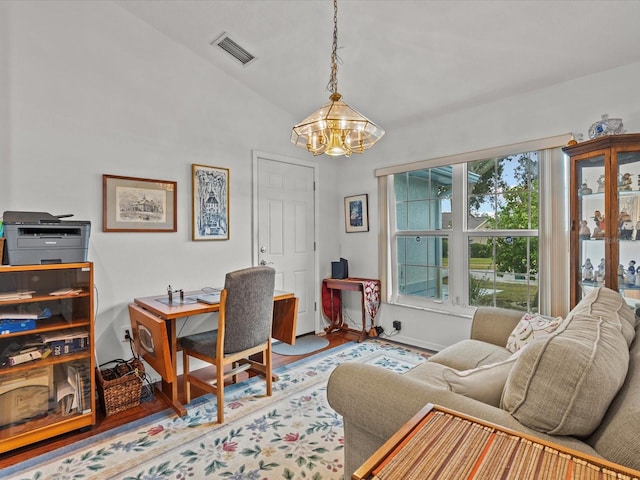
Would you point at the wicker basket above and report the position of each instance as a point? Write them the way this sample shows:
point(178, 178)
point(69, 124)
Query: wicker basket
point(120, 387)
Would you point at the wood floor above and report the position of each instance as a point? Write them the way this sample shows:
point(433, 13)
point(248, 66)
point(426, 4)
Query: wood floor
point(145, 409)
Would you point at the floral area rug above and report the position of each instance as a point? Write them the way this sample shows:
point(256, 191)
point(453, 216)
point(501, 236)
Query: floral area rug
point(293, 434)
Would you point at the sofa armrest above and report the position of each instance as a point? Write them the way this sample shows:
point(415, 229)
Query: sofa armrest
point(494, 325)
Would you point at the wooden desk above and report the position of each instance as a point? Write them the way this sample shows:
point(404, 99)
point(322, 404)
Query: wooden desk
point(285, 315)
point(365, 286)
point(442, 443)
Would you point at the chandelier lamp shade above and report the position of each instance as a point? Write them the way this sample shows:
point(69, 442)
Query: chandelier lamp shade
point(336, 128)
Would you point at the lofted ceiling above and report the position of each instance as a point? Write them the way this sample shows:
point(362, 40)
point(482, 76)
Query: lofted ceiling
point(402, 59)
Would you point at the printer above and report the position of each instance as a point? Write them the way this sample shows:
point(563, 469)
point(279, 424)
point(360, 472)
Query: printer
point(39, 238)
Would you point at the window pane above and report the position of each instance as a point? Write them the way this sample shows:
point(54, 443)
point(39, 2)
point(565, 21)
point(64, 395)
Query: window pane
point(400, 186)
point(423, 199)
point(503, 272)
point(418, 215)
point(419, 184)
point(422, 266)
point(402, 220)
point(481, 212)
point(504, 190)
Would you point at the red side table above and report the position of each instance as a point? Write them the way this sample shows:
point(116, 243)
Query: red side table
point(331, 302)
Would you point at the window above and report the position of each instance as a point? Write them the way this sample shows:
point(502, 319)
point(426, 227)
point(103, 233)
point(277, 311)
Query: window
point(466, 233)
point(422, 206)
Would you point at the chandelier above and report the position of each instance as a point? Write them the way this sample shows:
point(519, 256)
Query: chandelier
point(336, 128)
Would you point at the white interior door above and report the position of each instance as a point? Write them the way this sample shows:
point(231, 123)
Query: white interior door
point(284, 200)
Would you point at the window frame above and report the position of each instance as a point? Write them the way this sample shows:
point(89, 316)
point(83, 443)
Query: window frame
point(552, 231)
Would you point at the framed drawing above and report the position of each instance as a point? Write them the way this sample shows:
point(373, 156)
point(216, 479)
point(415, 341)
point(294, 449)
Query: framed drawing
point(151, 341)
point(138, 205)
point(210, 187)
point(356, 213)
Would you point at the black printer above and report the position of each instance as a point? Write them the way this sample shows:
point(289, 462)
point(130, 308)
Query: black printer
point(39, 238)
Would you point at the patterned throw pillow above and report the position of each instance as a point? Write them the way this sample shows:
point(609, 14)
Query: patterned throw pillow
point(530, 327)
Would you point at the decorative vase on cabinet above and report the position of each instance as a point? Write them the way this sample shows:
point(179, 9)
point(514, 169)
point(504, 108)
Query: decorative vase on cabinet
point(610, 167)
point(47, 365)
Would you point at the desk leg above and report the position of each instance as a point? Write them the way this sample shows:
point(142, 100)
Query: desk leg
point(168, 391)
point(363, 335)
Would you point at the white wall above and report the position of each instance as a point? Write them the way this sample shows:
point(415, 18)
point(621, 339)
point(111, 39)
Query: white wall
point(569, 107)
point(89, 90)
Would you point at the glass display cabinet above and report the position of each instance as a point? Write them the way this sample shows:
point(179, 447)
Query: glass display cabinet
point(605, 216)
point(47, 365)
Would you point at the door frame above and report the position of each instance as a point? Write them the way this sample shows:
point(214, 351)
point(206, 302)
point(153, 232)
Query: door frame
point(257, 154)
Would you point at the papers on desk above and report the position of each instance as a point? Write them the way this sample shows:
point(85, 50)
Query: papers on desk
point(209, 298)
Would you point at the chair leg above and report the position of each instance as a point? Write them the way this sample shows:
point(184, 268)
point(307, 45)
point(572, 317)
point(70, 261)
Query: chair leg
point(185, 377)
point(220, 391)
point(267, 362)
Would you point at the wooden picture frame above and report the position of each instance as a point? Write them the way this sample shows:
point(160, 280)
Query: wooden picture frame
point(131, 204)
point(210, 203)
point(151, 341)
point(356, 213)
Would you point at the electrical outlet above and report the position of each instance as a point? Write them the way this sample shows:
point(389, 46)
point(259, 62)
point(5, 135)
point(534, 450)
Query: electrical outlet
point(125, 334)
point(397, 324)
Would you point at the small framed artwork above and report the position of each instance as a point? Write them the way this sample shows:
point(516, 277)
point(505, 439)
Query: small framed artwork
point(132, 204)
point(356, 213)
point(210, 203)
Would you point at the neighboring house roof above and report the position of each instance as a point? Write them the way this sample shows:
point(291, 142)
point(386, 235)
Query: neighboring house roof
point(473, 223)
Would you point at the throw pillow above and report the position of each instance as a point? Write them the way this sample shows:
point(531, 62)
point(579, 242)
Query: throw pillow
point(483, 383)
point(563, 384)
point(530, 327)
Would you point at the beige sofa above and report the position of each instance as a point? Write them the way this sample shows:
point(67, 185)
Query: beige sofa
point(578, 386)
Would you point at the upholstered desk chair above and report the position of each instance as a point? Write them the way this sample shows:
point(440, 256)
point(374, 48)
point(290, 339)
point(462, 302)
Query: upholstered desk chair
point(244, 330)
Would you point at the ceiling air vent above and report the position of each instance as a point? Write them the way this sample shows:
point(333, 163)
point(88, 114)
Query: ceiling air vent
point(233, 49)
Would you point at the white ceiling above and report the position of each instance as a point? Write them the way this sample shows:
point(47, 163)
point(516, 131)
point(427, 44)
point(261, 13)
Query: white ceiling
point(403, 58)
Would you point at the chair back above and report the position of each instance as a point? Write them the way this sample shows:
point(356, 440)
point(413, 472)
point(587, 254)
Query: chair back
point(248, 308)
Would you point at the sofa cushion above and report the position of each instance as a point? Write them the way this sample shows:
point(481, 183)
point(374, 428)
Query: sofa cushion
point(467, 354)
point(429, 373)
point(609, 304)
point(483, 383)
point(530, 327)
point(617, 436)
point(563, 384)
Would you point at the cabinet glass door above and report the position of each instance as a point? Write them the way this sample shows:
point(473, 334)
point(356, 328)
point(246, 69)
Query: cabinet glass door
point(628, 224)
point(592, 232)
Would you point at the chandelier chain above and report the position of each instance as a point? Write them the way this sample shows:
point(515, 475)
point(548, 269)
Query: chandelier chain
point(333, 80)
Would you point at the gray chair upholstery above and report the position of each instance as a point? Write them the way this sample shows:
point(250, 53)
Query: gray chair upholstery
point(244, 331)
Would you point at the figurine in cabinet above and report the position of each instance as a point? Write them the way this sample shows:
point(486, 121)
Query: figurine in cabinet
point(625, 182)
point(601, 184)
point(585, 232)
point(598, 231)
point(587, 271)
point(625, 225)
point(599, 219)
point(585, 190)
point(600, 272)
point(631, 273)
